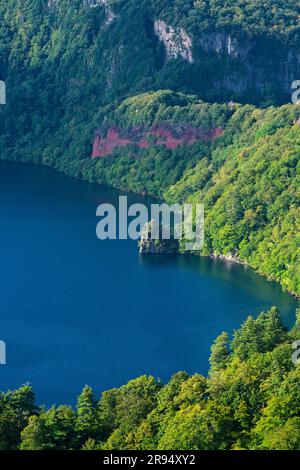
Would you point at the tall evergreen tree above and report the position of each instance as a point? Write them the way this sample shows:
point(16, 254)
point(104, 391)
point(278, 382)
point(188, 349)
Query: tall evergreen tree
point(86, 419)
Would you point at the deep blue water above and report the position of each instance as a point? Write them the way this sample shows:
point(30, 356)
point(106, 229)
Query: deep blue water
point(75, 310)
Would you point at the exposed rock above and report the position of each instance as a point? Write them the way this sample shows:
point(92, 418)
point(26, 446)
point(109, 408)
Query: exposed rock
point(176, 41)
point(53, 4)
point(244, 58)
point(231, 257)
point(110, 15)
point(2, 92)
point(223, 43)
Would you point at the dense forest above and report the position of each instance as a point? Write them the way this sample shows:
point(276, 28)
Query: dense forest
point(69, 69)
point(250, 400)
point(248, 177)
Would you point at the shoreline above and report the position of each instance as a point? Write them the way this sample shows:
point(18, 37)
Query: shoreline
point(236, 260)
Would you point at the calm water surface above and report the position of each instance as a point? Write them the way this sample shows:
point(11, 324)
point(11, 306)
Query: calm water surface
point(75, 310)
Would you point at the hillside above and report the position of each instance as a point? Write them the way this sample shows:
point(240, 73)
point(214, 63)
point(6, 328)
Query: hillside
point(187, 101)
point(246, 173)
point(221, 50)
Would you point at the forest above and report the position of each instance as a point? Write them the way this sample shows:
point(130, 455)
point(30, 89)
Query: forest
point(69, 69)
point(72, 68)
point(247, 178)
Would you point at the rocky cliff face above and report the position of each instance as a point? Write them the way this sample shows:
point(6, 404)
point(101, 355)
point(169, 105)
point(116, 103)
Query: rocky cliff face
point(221, 61)
point(224, 44)
point(134, 46)
point(249, 64)
point(176, 41)
point(148, 246)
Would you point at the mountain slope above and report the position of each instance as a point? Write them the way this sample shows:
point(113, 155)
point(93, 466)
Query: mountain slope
point(247, 174)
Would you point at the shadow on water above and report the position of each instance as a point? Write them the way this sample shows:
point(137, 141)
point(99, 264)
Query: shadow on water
point(232, 275)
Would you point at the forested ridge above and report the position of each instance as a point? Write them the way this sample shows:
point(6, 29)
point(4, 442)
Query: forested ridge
point(250, 400)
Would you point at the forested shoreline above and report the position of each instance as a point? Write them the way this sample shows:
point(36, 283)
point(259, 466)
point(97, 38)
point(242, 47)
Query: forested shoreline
point(225, 69)
point(249, 400)
point(69, 70)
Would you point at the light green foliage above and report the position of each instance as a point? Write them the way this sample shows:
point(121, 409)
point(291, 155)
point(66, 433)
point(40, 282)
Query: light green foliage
point(250, 400)
point(67, 73)
point(251, 193)
point(53, 429)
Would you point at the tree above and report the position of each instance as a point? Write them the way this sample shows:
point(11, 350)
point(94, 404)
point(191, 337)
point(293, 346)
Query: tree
point(199, 428)
point(247, 339)
point(136, 400)
point(15, 409)
point(52, 429)
point(260, 335)
point(279, 415)
point(86, 420)
point(286, 437)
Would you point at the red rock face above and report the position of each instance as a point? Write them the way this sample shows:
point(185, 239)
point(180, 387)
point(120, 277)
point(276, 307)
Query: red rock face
point(165, 134)
point(105, 146)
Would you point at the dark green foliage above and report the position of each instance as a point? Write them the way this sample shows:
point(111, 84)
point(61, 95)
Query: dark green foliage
point(258, 336)
point(219, 352)
point(15, 409)
point(68, 72)
point(265, 17)
point(86, 425)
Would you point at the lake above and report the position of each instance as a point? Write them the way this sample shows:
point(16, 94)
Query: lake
point(76, 310)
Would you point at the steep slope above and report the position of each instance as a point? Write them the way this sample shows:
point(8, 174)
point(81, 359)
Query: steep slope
point(63, 61)
point(252, 194)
